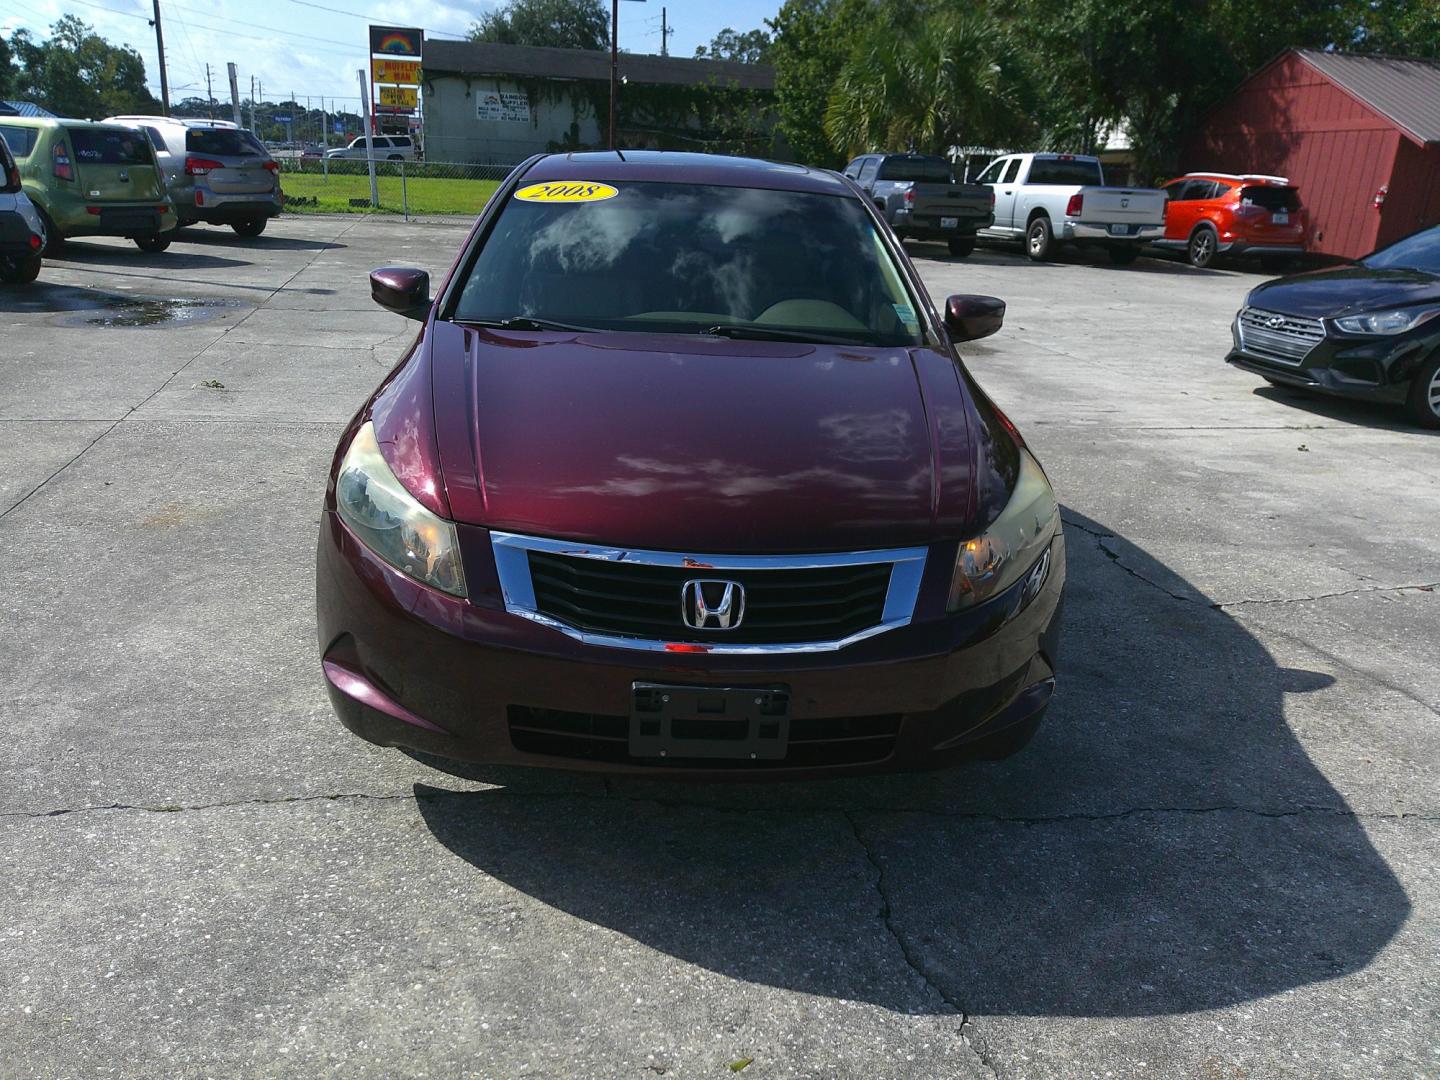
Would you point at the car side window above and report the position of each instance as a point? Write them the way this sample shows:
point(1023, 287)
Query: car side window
point(869, 169)
point(1176, 192)
point(381, 141)
point(853, 169)
point(1011, 171)
point(400, 140)
point(21, 140)
point(1196, 190)
point(991, 173)
point(156, 139)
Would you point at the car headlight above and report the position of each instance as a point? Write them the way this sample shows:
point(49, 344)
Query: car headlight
point(1387, 322)
point(390, 522)
point(1015, 546)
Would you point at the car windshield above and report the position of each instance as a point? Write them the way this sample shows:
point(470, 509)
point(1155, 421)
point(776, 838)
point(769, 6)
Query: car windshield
point(921, 170)
point(223, 142)
point(688, 258)
point(1418, 251)
point(107, 146)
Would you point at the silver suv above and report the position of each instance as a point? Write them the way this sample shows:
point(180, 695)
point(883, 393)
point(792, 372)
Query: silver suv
point(387, 148)
point(215, 171)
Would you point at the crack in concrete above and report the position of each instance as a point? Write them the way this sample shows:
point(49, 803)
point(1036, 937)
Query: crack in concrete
point(912, 961)
point(1221, 605)
point(609, 795)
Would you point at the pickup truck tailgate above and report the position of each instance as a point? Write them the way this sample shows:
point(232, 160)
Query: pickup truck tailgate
point(1123, 205)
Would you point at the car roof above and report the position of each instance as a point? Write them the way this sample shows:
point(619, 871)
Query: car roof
point(1237, 178)
point(176, 121)
point(682, 167)
point(62, 122)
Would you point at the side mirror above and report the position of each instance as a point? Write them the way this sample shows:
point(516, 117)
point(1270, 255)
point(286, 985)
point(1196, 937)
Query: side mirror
point(401, 289)
point(970, 317)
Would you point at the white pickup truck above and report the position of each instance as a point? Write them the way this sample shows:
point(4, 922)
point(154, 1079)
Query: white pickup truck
point(1046, 200)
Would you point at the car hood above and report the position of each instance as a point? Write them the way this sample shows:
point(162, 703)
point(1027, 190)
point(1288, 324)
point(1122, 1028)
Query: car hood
point(706, 445)
point(1345, 290)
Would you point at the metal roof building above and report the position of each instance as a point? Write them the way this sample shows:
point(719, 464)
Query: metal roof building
point(1359, 135)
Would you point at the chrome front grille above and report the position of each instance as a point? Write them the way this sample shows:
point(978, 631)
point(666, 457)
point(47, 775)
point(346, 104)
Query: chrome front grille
point(1286, 339)
point(633, 599)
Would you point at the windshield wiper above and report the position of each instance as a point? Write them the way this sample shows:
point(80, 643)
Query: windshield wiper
point(768, 333)
point(525, 322)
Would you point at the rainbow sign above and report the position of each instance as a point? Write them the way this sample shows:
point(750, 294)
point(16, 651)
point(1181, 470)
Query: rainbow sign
point(397, 41)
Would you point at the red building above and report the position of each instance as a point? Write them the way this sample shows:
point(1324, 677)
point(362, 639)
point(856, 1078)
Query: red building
point(1359, 135)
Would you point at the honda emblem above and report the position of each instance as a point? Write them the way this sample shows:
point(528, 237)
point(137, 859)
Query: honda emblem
point(707, 604)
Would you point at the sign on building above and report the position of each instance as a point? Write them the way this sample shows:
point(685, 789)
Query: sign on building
point(401, 72)
point(397, 41)
point(503, 105)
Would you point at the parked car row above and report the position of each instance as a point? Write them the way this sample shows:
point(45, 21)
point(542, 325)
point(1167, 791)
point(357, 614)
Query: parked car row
point(1048, 201)
point(140, 177)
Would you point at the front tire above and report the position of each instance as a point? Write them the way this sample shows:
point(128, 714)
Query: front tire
point(1123, 254)
point(20, 271)
point(1039, 240)
point(1202, 248)
point(961, 247)
point(249, 227)
point(153, 245)
point(1423, 404)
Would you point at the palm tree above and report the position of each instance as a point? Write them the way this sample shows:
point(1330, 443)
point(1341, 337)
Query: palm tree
point(939, 83)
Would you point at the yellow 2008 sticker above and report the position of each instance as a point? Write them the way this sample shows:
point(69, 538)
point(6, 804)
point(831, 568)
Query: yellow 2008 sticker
point(566, 191)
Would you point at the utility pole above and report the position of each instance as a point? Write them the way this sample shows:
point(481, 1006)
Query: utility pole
point(209, 93)
point(252, 104)
point(369, 135)
point(234, 92)
point(160, 49)
point(614, 61)
point(665, 32)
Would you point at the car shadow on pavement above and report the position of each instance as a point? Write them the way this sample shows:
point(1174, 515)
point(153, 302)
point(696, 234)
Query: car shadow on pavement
point(1345, 410)
point(1164, 846)
point(226, 238)
point(95, 254)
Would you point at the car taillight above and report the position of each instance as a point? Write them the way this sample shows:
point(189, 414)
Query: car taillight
point(910, 198)
point(1075, 205)
point(15, 178)
point(34, 242)
point(992, 198)
point(273, 166)
point(199, 166)
point(1248, 209)
point(60, 162)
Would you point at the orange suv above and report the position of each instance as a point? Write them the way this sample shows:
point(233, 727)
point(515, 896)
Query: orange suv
point(1210, 214)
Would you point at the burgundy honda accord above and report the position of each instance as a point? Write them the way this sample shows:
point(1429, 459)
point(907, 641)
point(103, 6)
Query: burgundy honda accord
point(683, 475)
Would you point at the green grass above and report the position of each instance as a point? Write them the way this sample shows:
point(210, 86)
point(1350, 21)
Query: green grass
point(424, 195)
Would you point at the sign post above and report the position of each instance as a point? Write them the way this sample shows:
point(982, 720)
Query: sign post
point(369, 136)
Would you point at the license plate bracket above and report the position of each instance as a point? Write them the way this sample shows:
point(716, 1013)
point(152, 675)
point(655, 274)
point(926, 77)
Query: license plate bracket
point(1280, 217)
point(949, 223)
point(1119, 230)
point(727, 722)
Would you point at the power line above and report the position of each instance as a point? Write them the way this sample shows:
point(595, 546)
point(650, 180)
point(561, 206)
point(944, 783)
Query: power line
point(367, 18)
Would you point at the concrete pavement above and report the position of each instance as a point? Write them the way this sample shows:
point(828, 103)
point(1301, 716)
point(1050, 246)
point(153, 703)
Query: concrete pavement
point(1217, 860)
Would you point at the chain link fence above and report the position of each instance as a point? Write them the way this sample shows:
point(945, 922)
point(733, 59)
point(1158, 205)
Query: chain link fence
point(342, 185)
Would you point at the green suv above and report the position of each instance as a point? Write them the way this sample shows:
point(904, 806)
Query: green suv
point(90, 179)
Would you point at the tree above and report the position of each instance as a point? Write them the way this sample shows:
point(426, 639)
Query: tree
point(9, 74)
point(560, 24)
point(746, 48)
point(927, 78)
point(808, 48)
point(78, 73)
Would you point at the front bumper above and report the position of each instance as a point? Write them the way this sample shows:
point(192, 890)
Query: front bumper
point(1091, 231)
point(408, 666)
point(1366, 368)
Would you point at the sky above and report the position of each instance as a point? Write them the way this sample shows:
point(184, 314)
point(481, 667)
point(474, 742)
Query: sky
point(314, 47)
